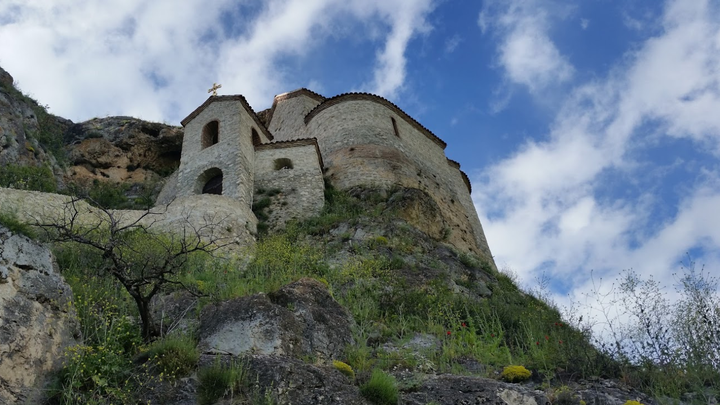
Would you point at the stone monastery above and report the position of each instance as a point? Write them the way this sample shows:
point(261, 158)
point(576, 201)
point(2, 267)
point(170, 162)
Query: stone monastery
point(287, 151)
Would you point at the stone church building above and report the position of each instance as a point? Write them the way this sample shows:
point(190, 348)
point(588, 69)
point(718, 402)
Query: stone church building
point(288, 152)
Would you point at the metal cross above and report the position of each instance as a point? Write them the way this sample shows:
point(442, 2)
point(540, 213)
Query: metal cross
point(214, 89)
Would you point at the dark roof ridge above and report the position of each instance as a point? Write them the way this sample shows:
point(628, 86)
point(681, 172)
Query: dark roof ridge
point(236, 97)
point(374, 97)
point(298, 140)
point(290, 94)
point(465, 177)
point(298, 92)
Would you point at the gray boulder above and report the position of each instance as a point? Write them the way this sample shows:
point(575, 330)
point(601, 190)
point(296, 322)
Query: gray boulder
point(299, 320)
point(293, 382)
point(454, 389)
point(37, 319)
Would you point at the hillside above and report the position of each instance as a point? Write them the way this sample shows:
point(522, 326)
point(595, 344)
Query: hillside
point(358, 304)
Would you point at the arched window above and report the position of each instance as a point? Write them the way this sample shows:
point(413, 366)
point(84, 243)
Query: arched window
point(210, 134)
point(256, 138)
point(283, 164)
point(395, 128)
point(210, 182)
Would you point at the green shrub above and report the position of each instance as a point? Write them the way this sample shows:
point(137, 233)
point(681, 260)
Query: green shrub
point(28, 178)
point(564, 396)
point(101, 369)
point(515, 373)
point(105, 194)
point(344, 368)
point(381, 389)
point(632, 402)
point(379, 241)
point(11, 222)
point(218, 380)
point(261, 205)
point(176, 356)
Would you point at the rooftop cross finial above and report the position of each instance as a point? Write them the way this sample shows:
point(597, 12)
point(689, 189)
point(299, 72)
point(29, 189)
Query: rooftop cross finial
point(214, 89)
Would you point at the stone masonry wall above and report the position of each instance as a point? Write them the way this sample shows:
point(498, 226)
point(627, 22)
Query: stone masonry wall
point(288, 114)
point(295, 193)
point(213, 215)
point(233, 154)
point(360, 147)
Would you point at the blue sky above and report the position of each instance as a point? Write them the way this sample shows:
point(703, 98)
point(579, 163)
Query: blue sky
point(590, 130)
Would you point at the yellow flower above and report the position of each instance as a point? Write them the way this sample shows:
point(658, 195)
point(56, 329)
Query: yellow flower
point(515, 373)
point(344, 368)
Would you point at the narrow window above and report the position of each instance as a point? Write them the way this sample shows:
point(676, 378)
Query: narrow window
point(283, 164)
point(255, 138)
point(395, 128)
point(210, 134)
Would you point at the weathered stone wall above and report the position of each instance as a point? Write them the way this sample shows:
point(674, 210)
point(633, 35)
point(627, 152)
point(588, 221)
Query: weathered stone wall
point(459, 182)
point(169, 190)
point(294, 193)
point(288, 113)
point(361, 146)
point(233, 154)
point(214, 216)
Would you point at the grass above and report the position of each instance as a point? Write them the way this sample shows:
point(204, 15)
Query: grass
point(218, 381)
point(101, 367)
point(11, 221)
point(508, 328)
point(175, 356)
point(381, 389)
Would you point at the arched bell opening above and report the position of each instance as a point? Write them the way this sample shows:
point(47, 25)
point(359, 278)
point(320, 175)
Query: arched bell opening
point(210, 182)
point(210, 134)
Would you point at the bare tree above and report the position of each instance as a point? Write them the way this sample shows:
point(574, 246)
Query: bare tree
point(134, 252)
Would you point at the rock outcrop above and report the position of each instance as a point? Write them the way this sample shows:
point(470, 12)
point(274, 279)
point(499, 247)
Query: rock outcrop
point(37, 319)
point(299, 320)
point(115, 149)
point(295, 382)
point(122, 149)
point(25, 128)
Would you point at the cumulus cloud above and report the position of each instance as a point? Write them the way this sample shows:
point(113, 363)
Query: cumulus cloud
point(156, 59)
point(526, 52)
point(544, 208)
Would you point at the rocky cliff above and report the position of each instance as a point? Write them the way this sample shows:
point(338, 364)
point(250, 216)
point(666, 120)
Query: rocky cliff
point(121, 151)
point(37, 319)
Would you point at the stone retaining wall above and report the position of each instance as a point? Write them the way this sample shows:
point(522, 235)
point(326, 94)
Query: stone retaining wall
point(212, 216)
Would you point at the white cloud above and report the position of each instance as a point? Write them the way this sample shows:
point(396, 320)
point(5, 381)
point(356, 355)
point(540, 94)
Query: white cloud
point(452, 43)
point(543, 208)
point(406, 19)
point(526, 53)
point(155, 60)
point(584, 23)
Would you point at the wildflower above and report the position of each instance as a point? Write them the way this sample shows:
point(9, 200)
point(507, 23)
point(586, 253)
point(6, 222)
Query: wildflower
point(537, 343)
point(463, 325)
point(560, 341)
point(547, 337)
point(448, 332)
point(492, 335)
